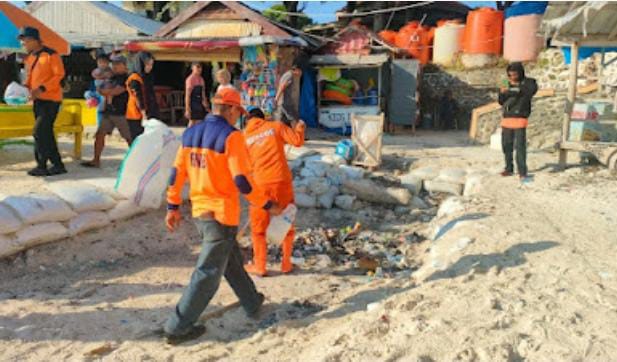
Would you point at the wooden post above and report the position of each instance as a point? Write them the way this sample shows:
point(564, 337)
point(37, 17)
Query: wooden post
point(601, 71)
point(565, 131)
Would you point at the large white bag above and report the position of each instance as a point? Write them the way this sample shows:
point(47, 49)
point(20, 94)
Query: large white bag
point(40, 234)
point(81, 196)
point(88, 221)
point(38, 208)
point(16, 94)
point(124, 210)
point(9, 222)
point(9, 246)
point(145, 170)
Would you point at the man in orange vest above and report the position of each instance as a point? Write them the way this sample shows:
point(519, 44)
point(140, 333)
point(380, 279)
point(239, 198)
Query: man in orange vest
point(45, 72)
point(215, 160)
point(266, 144)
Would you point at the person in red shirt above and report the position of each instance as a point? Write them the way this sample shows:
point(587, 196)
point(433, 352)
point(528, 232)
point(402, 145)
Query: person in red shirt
point(266, 144)
point(45, 72)
point(195, 99)
point(215, 161)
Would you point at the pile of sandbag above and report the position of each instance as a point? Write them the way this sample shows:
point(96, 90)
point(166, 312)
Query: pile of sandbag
point(448, 181)
point(67, 208)
point(326, 181)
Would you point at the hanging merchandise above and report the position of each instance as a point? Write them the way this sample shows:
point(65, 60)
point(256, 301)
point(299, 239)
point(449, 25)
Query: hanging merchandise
point(417, 40)
point(259, 77)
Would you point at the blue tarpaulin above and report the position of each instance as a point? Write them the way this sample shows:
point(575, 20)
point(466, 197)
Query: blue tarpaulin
point(520, 8)
point(8, 35)
point(584, 52)
point(308, 97)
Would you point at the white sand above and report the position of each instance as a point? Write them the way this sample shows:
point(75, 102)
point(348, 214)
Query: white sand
point(538, 281)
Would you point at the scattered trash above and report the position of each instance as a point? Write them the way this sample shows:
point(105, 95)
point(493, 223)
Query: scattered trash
point(101, 350)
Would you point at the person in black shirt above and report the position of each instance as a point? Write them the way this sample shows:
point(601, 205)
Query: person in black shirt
point(114, 114)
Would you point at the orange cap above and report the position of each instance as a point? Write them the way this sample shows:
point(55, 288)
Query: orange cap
point(230, 97)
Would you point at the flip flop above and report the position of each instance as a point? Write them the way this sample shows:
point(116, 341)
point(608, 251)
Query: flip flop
point(89, 164)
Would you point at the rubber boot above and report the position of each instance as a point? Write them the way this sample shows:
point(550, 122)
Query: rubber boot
point(260, 256)
point(288, 245)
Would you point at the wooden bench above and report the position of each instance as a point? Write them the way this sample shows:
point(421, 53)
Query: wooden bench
point(18, 121)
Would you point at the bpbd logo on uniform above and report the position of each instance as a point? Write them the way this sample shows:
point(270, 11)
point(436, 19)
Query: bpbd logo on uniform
point(198, 160)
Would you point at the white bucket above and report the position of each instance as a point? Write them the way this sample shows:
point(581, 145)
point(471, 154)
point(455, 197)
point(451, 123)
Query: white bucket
point(280, 225)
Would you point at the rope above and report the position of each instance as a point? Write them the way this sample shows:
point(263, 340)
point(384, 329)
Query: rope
point(354, 14)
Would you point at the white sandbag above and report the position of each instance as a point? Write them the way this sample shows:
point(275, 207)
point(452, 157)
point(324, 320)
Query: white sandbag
point(425, 173)
point(145, 170)
point(81, 196)
point(473, 185)
point(9, 222)
point(440, 186)
point(451, 206)
point(88, 221)
point(124, 210)
point(9, 246)
point(301, 186)
point(353, 173)
point(298, 152)
point(334, 160)
point(107, 185)
point(318, 186)
point(327, 200)
point(336, 176)
point(452, 175)
point(305, 200)
point(412, 183)
point(41, 233)
point(38, 208)
point(314, 169)
point(344, 202)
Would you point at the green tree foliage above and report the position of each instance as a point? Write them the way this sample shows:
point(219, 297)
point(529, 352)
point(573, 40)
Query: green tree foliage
point(280, 13)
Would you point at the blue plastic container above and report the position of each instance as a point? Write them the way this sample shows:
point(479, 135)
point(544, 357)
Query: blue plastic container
point(373, 97)
point(345, 149)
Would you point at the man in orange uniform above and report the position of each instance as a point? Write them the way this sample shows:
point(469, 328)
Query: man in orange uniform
point(266, 143)
point(215, 160)
point(45, 72)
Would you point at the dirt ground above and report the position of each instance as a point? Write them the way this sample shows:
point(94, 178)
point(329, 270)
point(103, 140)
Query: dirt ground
point(536, 278)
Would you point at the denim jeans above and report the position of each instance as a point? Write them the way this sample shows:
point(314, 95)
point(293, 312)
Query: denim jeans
point(220, 255)
point(512, 139)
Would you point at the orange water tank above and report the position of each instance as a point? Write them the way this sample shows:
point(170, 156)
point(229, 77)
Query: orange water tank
point(483, 32)
point(389, 36)
point(417, 40)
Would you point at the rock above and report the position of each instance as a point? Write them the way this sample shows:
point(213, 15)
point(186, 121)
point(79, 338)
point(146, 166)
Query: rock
point(327, 200)
point(452, 175)
point(401, 210)
point(450, 206)
point(295, 165)
point(336, 176)
point(473, 185)
point(323, 261)
point(440, 186)
point(418, 203)
point(425, 173)
point(6, 333)
point(369, 191)
point(314, 169)
point(305, 200)
point(412, 183)
point(344, 202)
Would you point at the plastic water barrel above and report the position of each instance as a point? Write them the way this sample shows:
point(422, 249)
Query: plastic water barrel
point(483, 32)
point(447, 43)
point(417, 40)
point(520, 8)
point(521, 42)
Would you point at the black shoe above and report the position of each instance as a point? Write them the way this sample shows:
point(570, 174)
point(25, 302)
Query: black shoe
point(38, 172)
point(195, 332)
point(57, 170)
point(254, 314)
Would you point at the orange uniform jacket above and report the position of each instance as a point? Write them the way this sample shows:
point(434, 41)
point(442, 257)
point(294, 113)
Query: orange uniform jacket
point(214, 158)
point(45, 70)
point(266, 144)
point(133, 109)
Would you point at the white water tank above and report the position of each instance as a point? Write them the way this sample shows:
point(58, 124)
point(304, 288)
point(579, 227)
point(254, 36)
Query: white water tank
point(447, 43)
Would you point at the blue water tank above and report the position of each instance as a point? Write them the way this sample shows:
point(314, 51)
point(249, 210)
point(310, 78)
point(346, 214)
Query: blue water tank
point(372, 97)
point(526, 8)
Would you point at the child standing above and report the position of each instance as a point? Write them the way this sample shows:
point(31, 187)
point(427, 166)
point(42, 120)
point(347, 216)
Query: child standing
point(223, 78)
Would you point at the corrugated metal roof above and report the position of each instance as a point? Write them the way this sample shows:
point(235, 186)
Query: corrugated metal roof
point(144, 25)
point(349, 60)
point(592, 22)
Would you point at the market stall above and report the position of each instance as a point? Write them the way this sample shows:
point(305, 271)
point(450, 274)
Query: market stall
point(348, 84)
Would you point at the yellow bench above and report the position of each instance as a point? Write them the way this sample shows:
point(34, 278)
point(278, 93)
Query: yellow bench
point(18, 121)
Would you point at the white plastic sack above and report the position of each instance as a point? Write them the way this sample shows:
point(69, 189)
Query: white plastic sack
point(425, 173)
point(318, 186)
point(314, 169)
point(327, 200)
point(9, 222)
point(107, 185)
point(452, 175)
point(40, 234)
point(38, 208)
point(279, 225)
point(124, 210)
point(344, 202)
point(412, 183)
point(440, 186)
point(88, 221)
point(145, 170)
point(16, 93)
point(9, 246)
point(305, 200)
point(336, 176)
point(81, 196)
point(353, 173)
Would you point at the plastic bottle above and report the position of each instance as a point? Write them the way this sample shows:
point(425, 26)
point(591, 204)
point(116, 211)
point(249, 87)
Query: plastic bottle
point(280, 225)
